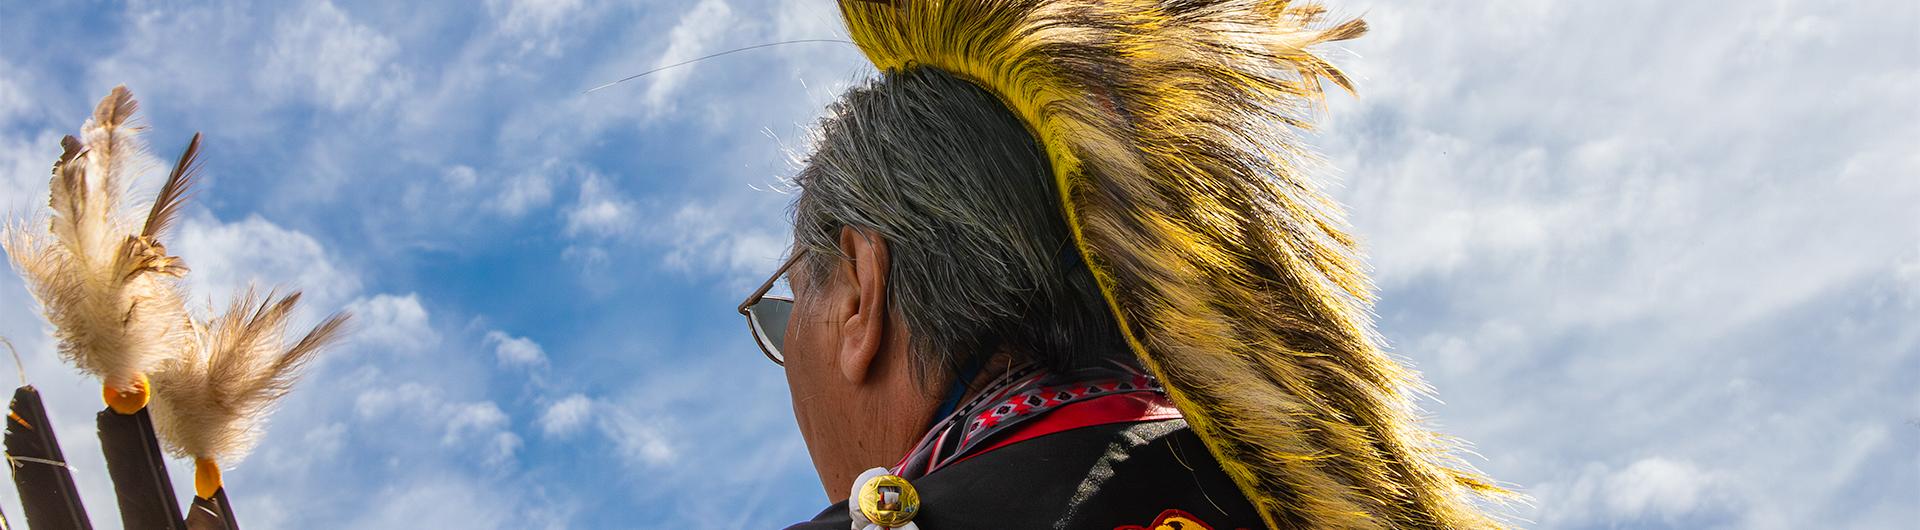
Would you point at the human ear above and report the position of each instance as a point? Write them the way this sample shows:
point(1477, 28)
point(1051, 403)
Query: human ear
point(864, 329)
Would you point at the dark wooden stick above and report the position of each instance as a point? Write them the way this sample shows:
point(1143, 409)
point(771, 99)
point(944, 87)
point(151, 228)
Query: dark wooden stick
point(212, 514)
point(138, 470)
point(226, 509)
point(47, 492)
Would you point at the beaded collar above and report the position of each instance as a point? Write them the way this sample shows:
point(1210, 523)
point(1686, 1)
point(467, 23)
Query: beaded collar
point(1023, 393)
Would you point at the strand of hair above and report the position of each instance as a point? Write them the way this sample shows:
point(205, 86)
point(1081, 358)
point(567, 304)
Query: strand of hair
point(710, 56)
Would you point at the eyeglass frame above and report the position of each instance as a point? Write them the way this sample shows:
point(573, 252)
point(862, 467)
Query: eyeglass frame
point(761, 293)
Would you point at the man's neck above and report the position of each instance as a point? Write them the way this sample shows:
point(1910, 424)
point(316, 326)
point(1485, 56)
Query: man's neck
point(968, 384)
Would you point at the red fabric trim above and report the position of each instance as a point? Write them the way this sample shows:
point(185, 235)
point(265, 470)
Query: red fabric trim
point(1167, 516)
point(1129, 407)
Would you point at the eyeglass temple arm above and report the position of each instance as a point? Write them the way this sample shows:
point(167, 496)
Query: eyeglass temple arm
point(768, 286)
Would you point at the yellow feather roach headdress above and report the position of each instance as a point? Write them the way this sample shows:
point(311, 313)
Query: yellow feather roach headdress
point(1169, 125)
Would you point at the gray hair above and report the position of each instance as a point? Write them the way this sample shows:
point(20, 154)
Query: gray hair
point(981, 257)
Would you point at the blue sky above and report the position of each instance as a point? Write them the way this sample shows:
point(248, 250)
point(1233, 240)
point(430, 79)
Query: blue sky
point(1660, 260)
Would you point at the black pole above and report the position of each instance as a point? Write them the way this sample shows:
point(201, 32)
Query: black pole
point(212, 514)
point(47, 492)
point(138, 470)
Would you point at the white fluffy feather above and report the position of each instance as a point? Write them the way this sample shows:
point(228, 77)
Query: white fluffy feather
point(114, 297)
point(101, 276)
point(213, 401)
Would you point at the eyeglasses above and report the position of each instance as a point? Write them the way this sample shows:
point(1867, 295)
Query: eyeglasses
point(767, 314)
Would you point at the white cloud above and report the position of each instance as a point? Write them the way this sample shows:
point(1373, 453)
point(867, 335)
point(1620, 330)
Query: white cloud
point(1906, 275)
point(198, 58)
point(1665, 490)
point(521, 194)
point(23, 173)
point(459, 178)
point(464, 202)
point(589, 257)
point(485, 425)
point(467, 419)
point(227, 257)
point(702, 238)
point(326, 441)
point(322, 53)
point(423, 500)
point(802, 19)
point(1657, 242)
point(392, 323)
point(538, 24)
point(690, 38)
point(479, 426)
point(381, 401)
point(533, 15)
point(516, 351)
point(601, 210)
point(1466, 354)
point(638, 441)
point(1656, 486)
point(567, 416)
point(13, 98)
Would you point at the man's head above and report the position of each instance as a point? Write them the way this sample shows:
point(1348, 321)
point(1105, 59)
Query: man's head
point(932, 239)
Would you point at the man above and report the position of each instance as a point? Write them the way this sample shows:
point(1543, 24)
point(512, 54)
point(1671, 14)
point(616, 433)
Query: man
point(1056, 268)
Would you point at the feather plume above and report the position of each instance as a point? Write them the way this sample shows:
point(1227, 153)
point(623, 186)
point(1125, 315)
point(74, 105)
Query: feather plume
point(212, 402)
point(100, 274)
point(1171, 129)
point(112, 291)
point(173, 194)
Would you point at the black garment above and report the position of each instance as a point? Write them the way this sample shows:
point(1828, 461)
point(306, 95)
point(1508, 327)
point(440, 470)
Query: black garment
point(1104, 477)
